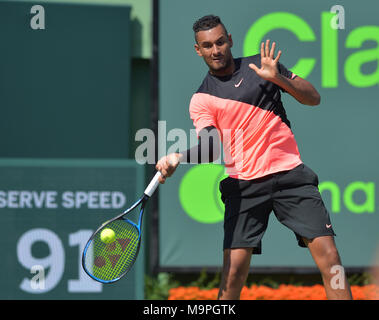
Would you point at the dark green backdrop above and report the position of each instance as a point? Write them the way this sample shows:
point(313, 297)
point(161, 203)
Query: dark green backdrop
point(69, 112)
point(65, 90)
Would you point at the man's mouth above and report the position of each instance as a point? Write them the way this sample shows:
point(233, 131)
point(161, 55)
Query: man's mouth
point(218, 59)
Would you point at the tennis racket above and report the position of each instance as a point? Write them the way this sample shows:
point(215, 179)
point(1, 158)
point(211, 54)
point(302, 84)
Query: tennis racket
point(108, 261)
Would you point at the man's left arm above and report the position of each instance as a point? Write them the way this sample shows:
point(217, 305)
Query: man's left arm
point(301, 89)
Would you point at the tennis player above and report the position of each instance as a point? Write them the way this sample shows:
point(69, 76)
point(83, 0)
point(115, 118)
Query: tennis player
point(239, 103)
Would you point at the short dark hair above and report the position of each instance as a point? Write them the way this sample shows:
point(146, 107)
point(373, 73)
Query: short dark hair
point(206, 23)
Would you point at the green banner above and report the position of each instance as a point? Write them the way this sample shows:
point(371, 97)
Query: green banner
point(49, 209)
point(336, 48)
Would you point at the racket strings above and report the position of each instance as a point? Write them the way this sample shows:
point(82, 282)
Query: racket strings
point(108, 261)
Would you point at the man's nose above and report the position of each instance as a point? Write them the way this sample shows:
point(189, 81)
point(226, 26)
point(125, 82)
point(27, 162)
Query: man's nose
point(216, 50)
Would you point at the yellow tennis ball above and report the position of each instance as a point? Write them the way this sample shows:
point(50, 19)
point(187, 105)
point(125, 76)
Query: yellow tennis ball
point(107, 235)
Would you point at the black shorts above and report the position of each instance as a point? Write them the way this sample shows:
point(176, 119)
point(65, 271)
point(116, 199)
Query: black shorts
point(292, 195)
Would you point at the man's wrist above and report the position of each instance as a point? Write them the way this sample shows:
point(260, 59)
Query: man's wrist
point(279, 80)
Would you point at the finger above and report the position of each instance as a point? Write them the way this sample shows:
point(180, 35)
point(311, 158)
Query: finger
point(168, 162)
point(161, 179)
point(267, 52)
point(262, 50)
point(164, 172)
point(168, 167)
point(160, 164)
point(278, 56)
point(253, 66)
point(272, 51)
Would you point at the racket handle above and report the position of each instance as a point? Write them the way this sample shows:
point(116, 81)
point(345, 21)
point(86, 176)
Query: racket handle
point(152, 185)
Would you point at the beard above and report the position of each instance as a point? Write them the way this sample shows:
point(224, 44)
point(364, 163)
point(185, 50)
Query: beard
point(219, 68)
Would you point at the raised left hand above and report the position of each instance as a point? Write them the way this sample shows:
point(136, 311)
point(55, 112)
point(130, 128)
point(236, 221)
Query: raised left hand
point(269, 64)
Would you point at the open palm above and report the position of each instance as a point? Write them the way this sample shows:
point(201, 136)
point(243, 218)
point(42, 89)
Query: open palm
point(269, 64)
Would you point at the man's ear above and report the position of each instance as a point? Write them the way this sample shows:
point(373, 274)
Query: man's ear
point(230, 40)
point(197, 48)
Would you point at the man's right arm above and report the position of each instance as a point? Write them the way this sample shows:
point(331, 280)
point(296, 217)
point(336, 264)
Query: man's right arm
point(206, 151)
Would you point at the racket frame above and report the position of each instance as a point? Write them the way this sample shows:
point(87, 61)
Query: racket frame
point(121, 216)
point(146, 196)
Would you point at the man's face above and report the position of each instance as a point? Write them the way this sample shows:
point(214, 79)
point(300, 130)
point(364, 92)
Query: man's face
point(214, 46)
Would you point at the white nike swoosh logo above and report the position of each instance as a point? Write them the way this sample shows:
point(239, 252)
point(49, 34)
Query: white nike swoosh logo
point(238, 84)
point(328, 226)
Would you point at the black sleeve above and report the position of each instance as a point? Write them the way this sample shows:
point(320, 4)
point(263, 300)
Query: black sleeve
point(208, 148)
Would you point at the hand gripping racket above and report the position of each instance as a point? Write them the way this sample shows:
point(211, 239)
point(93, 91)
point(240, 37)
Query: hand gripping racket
point(108, 261)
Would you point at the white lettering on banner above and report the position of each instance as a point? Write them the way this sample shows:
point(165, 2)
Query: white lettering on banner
point(93, 199)
point(49, 199)
point(47, 272)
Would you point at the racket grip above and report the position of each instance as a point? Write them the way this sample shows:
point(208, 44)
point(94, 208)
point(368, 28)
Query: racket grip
point(152, 185)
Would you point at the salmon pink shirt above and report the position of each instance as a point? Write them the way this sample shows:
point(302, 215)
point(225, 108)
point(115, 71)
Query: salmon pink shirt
point(250, 118)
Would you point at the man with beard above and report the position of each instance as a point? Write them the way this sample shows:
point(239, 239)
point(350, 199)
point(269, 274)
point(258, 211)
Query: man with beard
point(239, 103)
